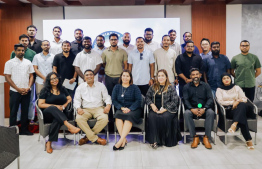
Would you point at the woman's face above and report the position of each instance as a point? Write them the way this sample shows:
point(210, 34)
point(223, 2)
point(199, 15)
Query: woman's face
point(161, 77)
point(125, 78)
point(226, 80)
point(54, 80)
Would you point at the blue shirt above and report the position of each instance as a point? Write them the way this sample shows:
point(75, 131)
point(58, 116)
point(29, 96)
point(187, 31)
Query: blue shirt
point(207, 55)
point(141, 68)
point(196, 51)
point(214, 68)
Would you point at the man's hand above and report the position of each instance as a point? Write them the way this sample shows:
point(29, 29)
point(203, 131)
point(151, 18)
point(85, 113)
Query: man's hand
point(161, 111)
point(235, 105)
point(194, 111)
point(107, 109)
point(201, 112)
point(21, 91)
point(80, 111)
point(188, 80)
point(154, 108)
point(151, 82)
point(71, 81)
point(176, 82)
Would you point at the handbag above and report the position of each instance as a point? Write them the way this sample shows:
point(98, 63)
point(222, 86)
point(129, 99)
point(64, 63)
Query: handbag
point(69, 111)
point(228, 107)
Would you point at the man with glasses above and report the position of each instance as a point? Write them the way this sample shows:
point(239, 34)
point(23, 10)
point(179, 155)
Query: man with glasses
point(245, 67)
point(205, 45)
point(187, 36)
point(148, 36)
point(141, 64)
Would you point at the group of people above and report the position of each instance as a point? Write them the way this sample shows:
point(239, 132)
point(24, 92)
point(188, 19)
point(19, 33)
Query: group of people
point(152, 70)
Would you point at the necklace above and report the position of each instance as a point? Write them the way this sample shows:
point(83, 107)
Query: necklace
point(123, 93)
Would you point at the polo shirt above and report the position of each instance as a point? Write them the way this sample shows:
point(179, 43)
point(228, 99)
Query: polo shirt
point(245, 66)
point(128, 49)
point(196, 51)
point(207, 55)
point(29, 54)
point(36, 46)
point(56, 47)
point(152, 46)
point(76, 47)
point(114, 61)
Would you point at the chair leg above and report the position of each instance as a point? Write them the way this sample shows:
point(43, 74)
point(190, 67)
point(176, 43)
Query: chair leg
point(107, 136)
point(215, 138)
point(225, 138)
point(144, 137)
point(18, 162)
point(184, 137)
point(74, 139)
point(115, 137)
point(39, 137)
point(64, 134)
point(255, 138)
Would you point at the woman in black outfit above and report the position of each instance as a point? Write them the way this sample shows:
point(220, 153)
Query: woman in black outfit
point(52, 100)
point(163, 126)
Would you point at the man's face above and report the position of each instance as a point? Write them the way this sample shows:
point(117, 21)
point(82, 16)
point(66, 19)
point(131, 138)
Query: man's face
point(45, 46)
point(195, 76)
point(126, 38)
point(78, 35)
point(172, 36)
point(215, 49)
point(190, 48)
point(113, 41)
point(205, 45)
point(66, 47)
point(87, 44)
point(57, 33)
point(244, 47)
point(100, 42)
point(140, 43)
point(19, 52)
point(89, 77)
point(187, 37)
point(24, 41)
point(148, 36)
point(166, 41)
point(31, 32)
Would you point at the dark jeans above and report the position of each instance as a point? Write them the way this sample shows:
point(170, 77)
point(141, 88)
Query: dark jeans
point(249, 92)
point(16, 99)
point(110, 83)
point(143, 89)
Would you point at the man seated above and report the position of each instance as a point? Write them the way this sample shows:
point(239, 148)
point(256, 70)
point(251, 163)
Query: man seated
point(198, 102)
point(89, 101)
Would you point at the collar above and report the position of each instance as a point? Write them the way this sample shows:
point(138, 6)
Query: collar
point(17, 59)
point(109, 48)
point(97, 48)
point(42, 54)
point(84, 52)
point(185, 54)
point(200, 83)
point(139, 52)
point(75, 42)
point(60, 41)
point(209, 53)
point(94, 85)
point(213, 56)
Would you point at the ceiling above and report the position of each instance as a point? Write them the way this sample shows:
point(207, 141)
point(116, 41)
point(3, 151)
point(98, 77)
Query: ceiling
point(48, 3)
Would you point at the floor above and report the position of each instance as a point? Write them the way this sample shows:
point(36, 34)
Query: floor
point(137, 155)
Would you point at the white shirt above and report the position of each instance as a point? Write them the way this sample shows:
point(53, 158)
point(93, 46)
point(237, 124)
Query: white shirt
point(86, 61)
point(44, 64)
point(19, 71)
point(98, 50)
point(91, 97)
point(56, 47)
point(152, 46)
point(128, 49)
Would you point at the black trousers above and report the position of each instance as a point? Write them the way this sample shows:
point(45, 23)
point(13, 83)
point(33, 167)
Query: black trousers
point(181, 86)
point(143, 89)
point(110, 83)
point(15, 100)
point(250, 93)
point(56, 117)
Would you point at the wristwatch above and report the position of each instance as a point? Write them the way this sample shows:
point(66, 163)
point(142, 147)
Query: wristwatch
point(152, 78)
point(63, 108)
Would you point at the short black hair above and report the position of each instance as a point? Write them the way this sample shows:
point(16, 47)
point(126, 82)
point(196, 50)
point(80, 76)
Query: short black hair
point(57, 27)
point(186, 33)
point(194, 69)
point(87, 38)
point(31, 26)
point(172, 30)
point(149, 30)
point(164, 36)
point(101, 36)
point(215, 43)
point(190, 41)
point(245, 41)
point(113, 34)
point(140, 37)
point(204, 39)
point(23, 36)
point(66, 41)
point(89, 70)
point(45, 41)
point(18, 45)
point(78, 29)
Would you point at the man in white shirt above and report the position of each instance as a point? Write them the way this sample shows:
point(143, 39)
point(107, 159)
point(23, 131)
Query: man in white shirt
point(19, 75)
point(126, 43)
point(174, 45)
point(87, 59)
point(150, 45)
point(42, 63)
point(89, 101)
point(56, 43)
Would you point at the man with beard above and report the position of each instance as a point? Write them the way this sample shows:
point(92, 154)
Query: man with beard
point(174, 45)
point(63, 65)
point(148, 36)
point(114, 60)
point(19, 75)
point(76, 45)
point(165, 59)
point(34, 44)
point(198, 102)
point(187, 36)
point(205, 45)
point(141, 64)
point(56, 43)
point(245, 67)
point(42, 63)
point(126, 43)
point(184, 63)
point(87, 59)
point(214, 66)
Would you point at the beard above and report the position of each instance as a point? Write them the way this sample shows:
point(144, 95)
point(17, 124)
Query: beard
point(99, 45)
point(148, 40)
point(189, 52)
point(65, 51)
point(87, 47)
point(126, 42)
point(78, 38)
point(114, 45)
point(215, 52)
point(196, 80)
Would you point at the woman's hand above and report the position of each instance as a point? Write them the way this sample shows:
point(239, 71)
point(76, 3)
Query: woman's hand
point(59, 107)
point(154, 108)
point(125, 110)
point(235, 103)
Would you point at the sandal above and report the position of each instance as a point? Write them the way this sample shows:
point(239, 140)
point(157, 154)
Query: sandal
point(230, 130)
point(250, 147)
point(154, 146)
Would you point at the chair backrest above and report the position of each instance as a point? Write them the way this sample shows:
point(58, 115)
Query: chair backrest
point(39, 113)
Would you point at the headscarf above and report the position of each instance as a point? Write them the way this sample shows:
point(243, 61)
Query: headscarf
point(226, 87)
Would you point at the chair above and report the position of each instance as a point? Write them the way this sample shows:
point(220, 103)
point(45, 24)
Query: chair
point(44, 127)
point(201, 123)
point(226, 123)
point(139, 126)
point(9, 146)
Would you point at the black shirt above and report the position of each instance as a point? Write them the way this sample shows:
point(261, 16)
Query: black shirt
point(64, 65)
point(36, 46)
point(76, 47)
point(184, 63)
point(50, 98)
point(193, 95)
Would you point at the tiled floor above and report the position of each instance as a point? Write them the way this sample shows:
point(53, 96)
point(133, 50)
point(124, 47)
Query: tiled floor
point(137, 155)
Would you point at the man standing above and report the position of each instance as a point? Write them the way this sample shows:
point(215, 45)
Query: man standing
point(56, 43)
point(174, 45)
point(148, 36)
point(198, 102)
point(187, 36)
point(214, 66)
point(34, 44)
point(19, 75)
point(126, 43)
point(87, 59)
point(184, 63)
point(205, 45)
point(76, 45)
point(245, 67)
point(165, 59)
point(42, 63)
point(141, 64)
point(114, 59)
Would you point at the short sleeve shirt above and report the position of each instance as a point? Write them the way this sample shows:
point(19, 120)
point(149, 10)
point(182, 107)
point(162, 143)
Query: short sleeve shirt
point(152, 46)
point(54, 99)
point(56, 47)
point(29, 54)
point(245, 66)
point(36, 47)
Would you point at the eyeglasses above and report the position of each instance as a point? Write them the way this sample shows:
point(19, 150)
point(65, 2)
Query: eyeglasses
point(189, 46)
point(141, 56)
point(244, 46)
point(53, 79)
point(113, 39)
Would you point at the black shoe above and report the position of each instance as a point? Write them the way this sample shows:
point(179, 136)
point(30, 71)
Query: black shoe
point(120, 148)
point(26, 132)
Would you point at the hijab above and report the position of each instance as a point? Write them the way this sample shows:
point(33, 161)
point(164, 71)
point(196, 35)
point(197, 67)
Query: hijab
point(226, 87)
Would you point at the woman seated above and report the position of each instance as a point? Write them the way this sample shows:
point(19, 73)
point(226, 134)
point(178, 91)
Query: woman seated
point(234, 100)
point(126, 98)
point(163, 126)
point(53, 99)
